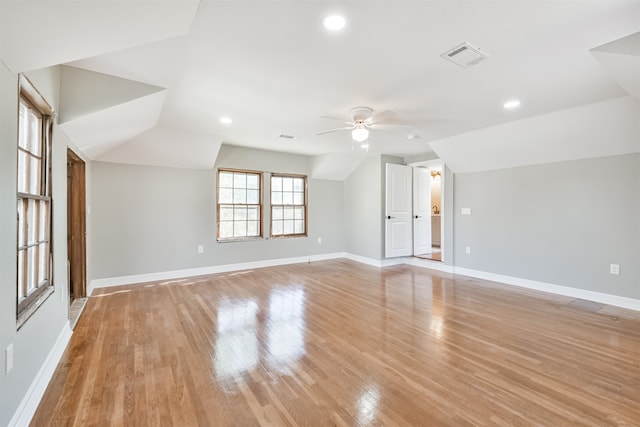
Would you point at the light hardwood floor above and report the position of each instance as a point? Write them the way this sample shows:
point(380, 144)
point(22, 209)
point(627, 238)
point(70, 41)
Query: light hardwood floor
point(341, 343)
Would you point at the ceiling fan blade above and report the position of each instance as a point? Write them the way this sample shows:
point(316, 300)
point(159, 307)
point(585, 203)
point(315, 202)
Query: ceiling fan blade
point(337, 119)
point(389, 126)
point(335, 130)
point(385, 116)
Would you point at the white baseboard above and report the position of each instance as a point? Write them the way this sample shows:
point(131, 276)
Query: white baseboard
point(31, 400)
point(374, 262)
point(191, 272)
point(433, 265)
point(609, 299)
point(618, 301)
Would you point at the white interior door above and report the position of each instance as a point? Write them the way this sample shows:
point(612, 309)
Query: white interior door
point(398, 221)
point(421, 211)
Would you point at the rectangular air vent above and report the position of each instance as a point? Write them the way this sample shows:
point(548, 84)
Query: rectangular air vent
point(465, 55)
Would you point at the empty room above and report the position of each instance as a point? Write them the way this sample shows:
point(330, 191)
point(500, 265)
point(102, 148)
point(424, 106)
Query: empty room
point(314, 213)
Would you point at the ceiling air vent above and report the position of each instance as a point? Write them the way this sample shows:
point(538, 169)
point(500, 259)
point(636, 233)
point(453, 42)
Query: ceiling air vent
point(465, 55)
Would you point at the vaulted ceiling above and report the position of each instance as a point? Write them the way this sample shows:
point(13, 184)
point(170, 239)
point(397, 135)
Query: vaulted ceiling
point(147, 82)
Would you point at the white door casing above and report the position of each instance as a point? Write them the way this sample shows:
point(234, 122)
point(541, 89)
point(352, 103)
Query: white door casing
point(421, 211)
point(398, 211)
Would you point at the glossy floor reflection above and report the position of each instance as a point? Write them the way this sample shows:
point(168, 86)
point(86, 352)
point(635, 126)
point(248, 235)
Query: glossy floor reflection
point(341, 343)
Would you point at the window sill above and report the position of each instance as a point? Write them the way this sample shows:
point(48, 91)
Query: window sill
point(241, 239)
point(33, 306)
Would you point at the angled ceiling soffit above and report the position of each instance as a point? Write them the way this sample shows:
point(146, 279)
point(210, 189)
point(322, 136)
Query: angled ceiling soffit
point(621, 59)
point(63, 31)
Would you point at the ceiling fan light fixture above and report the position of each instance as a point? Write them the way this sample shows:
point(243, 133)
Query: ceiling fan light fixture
point(360, 134)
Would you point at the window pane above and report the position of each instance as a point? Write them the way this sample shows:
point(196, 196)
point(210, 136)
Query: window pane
point(42, 221)
point(240, 213)
point(276, 198)
point(276, 228)
point(239, 229)
point(23, 140)
point(276, 183)
point(239, 180)
point(287, 184)
point(31, 269)
point(226, 195)
point(288, 213)
point(226, 213)
point(287, 198)
point(298, 226)
point(298, 184)
point(298, 198)
point(35, 131)
point(31, 221)
point(43, 255)
point(23, 171)
point(34, 180)
point(21, 283)
point(276, 212)
point(253, 181)
point(298, 213)
point(252, 228)
point(253, 212)
point(240, 196)
point(226, 229)
point(288, 227)
point(21, 223)
point(253, 197)
point(225, 180)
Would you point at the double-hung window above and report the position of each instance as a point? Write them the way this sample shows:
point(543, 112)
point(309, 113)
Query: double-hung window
point(288, 205)
point(34, 252)
point(239, 204)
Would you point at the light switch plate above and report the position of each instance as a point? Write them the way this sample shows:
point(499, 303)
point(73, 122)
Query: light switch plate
point(614, 269)
point(465, 211)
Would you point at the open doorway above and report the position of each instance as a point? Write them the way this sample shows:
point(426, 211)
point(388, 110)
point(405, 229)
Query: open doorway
point(435, 189)
point(76, 234)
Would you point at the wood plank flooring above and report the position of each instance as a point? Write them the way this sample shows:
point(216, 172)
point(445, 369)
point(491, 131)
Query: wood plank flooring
point(338, 343)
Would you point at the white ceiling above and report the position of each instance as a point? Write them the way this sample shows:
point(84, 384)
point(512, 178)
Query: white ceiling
point(271, 67)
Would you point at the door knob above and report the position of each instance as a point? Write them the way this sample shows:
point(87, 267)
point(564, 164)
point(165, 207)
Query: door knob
point(389, 216)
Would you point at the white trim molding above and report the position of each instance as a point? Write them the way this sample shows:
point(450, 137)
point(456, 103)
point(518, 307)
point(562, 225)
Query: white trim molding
point(618, 301)
point(27, 408)
point(201, 271)
point(609, 299)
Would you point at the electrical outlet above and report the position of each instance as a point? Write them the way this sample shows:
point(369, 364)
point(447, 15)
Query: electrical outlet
point(319, 240)
point(614, 269)
point(467, 250)
point(200, 249)
point(8, 357)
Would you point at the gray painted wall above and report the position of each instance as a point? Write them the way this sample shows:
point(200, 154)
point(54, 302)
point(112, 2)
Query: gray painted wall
point(33, 342)
point(362, 210)
point(364, 201)
point(560, 223)
point(151, 219)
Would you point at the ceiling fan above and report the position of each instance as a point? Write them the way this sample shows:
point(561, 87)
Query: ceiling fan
point(363, 121)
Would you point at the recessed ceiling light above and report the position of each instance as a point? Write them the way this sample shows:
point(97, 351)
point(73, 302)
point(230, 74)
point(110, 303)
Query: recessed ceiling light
point(334, 22)
point(226, 120)
point(512, 104)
